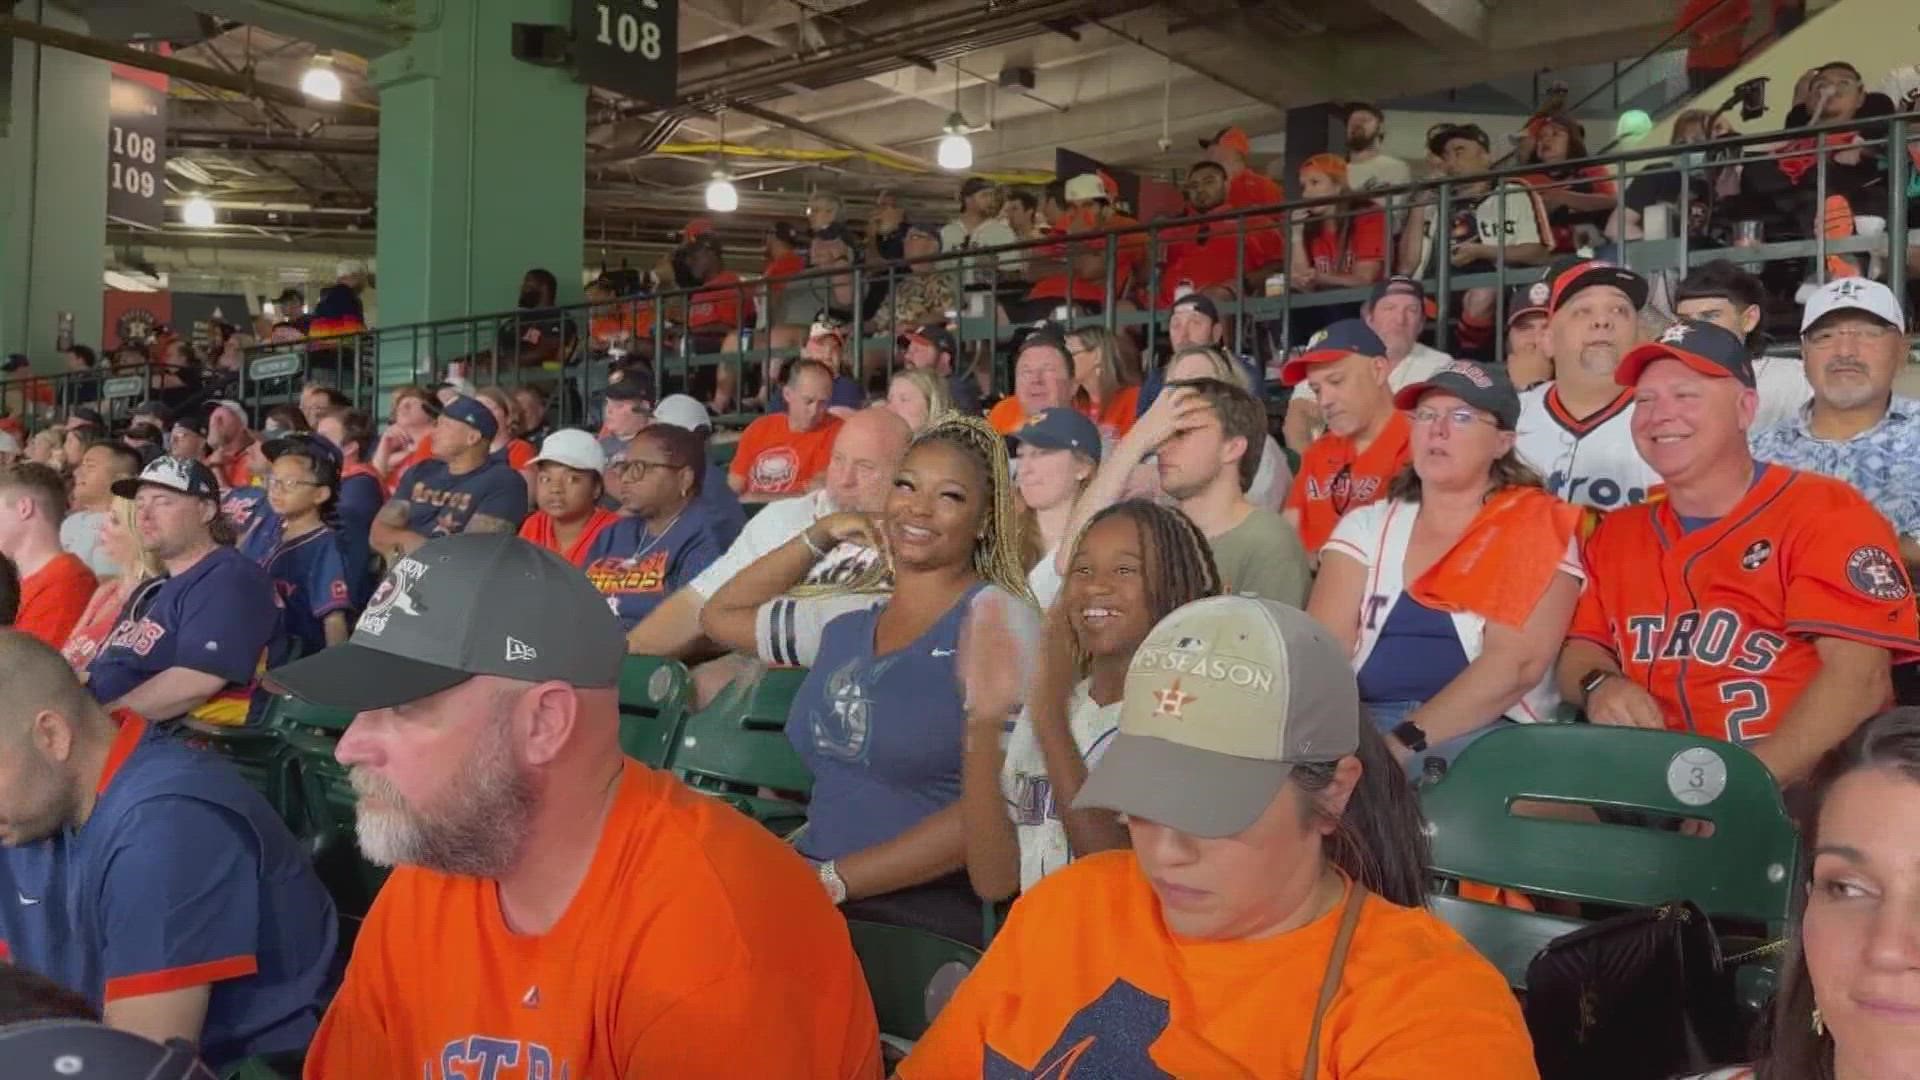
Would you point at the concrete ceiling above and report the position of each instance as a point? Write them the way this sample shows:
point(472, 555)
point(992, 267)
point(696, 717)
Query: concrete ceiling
point(1130, 82)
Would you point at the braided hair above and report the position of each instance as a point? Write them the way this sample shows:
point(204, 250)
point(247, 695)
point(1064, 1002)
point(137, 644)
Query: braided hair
point(1177, 562)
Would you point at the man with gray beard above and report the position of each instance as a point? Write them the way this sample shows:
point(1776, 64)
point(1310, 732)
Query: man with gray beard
point(557, 909)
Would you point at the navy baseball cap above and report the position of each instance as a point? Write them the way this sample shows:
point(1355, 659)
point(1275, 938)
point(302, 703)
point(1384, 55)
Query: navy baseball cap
point(1400, 285)
point(933, 334)
point(182, 475)
point(1483, 386)
point(86, 417)
point(1702, 346)
point(472, 413)
point(16, 361)
point(194, 422)
point(630, 388)
point(921, 228)
point(1534, 299)
point(1060, 428)
point(324, 455)
point(1570, 275)
point(1197, 301)
point(1348, 337)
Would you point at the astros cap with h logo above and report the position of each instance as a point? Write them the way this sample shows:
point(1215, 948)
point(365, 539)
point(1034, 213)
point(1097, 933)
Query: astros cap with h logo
point(1222, 700)
point(460, 606)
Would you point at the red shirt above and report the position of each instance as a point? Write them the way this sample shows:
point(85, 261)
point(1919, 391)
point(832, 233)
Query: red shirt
point(96, 623)
point(720, 309)
point(53, 598)
point(1366, 241)
point(1206, 255)
point(538, 529)
point(772, 459)
point(1333, 479)
point(1250, 188)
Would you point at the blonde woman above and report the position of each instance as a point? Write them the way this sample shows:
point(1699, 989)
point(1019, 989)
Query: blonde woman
point(120, 540)
point(46, 448)
point(1106, 379)
point(919, 397)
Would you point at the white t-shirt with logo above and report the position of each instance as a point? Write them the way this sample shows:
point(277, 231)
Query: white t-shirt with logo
point(1029, 794)
point(1588, 461)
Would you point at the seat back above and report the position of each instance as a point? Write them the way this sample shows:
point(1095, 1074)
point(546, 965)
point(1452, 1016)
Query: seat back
point(327, 801)
point(285, 709)
point(737, 746)
point(260, 757)
point(1743, 871)
point(655, 694)
point(910, 973)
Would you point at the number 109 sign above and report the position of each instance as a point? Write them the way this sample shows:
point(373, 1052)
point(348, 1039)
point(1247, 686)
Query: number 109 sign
point(629, 46)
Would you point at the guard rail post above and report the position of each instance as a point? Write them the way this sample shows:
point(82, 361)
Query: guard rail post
point(1899, 177)
point(1443, 271)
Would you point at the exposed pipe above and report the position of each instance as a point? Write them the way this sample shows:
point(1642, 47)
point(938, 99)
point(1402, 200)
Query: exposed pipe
point(239, 83)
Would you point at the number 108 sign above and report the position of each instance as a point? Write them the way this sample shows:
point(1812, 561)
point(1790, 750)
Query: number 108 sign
point(629, 46)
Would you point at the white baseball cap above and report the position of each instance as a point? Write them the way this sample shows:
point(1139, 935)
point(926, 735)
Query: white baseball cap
point(348, 268)
point(1853, 294)
point(1085, 188)
point(681, 411)
point(8, 444)
point(573, 448)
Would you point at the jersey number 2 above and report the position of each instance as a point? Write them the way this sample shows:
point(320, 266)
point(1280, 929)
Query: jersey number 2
point(1753, 694)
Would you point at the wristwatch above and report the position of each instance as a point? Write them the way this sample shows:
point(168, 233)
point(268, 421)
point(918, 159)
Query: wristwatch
point(1411, 735)
point(1591, 681)
point(831, 881)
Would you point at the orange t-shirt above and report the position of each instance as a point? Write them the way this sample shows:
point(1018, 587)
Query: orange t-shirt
point(722, 308)
point(54, 597)
point(538, 529)
point(422, 450)
point(1007, 415)
point(1333, 479)
point(773, 460)
point(519, 452)
point(1085, 978)
point(1114, 421)
point(698, 945)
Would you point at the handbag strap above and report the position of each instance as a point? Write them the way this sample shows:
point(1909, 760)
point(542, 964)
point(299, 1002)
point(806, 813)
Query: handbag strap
point(1330, 983)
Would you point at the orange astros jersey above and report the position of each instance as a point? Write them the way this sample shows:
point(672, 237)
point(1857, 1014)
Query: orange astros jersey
point(1717, 623)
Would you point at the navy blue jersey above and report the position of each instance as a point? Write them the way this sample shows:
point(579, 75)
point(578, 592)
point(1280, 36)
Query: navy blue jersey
point(440, 503)
point(309, 575)
point(181, 876)
point(221, 616)
point(636, 571)
point(243, 506)
point(360, 499)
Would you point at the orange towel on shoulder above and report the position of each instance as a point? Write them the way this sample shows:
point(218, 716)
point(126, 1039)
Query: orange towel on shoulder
point(1502, 566)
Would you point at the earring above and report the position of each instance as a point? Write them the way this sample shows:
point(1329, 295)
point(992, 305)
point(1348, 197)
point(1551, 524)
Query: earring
point(1819, 1023)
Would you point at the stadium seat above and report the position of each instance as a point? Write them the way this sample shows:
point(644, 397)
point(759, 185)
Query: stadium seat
point(259, 755)
point(654, 696)
point(736, 748)
point(285, 709)
point(327, 806)
point(910, 973)
point(1741, 876)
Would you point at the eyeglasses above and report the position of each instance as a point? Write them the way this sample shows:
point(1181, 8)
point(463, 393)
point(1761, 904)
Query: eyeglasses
point(285, 486)
point(1460, 417)
point(1828, 336)
point(638, 468)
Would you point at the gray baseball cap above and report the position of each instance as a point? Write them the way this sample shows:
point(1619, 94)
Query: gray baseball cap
point(460, 606)
point(1223, 698)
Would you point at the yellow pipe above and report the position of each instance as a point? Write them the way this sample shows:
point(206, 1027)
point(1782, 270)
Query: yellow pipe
point(732, 150)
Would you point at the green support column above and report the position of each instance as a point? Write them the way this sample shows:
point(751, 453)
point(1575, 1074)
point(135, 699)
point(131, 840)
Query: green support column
point(53, 193)
point(482, 173)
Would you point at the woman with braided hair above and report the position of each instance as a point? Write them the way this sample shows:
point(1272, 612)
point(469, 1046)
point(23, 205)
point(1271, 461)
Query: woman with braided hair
point(880, 718)
point(1133, 564)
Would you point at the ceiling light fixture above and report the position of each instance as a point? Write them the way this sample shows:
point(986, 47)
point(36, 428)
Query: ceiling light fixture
point(722, 196)
point(956, 150)
point(198, 213)
point(321, 82)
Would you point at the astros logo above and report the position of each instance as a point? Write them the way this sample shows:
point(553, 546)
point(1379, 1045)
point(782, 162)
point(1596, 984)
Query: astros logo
point(1172, 701)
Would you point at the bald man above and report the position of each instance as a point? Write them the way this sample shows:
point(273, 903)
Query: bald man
point(558, 910)
point(148, 877)
point(866, 454)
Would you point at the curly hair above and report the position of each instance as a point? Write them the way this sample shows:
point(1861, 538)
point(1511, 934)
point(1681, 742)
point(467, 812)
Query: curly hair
point(1177, 562)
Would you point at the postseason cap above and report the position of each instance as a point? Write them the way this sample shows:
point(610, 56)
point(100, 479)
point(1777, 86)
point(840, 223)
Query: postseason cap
point(1534, 299)
point(181, 475)
point(1223, 698)
point(1702, 346)
point(460, 606)
point(1197, 301)
point(681, 411)
point(1348, 337)
point(934, 334)
point(1060, 428)
point(573, 448)
point(1569, 276)
point(1853, 294)
point(475, 415)
point(1483, 386)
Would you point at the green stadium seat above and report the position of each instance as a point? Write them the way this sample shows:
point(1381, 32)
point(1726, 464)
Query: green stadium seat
point(260, 756)
point(736, 748)
point(1741, 876)
point(327, 818)
point(260, 1068)
point(655, 694)
point(911, 975)
point(285, 709)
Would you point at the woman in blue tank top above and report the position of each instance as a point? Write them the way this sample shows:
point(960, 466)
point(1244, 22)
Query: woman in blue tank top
point(881, 718)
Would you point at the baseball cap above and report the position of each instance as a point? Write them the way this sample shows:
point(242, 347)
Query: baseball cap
point(1332, 166)
point(1483, 386)
point(627, 389)
point(71, 1049)
point(142, 433)
point(1348, 337)
point(1441, 135)
point(974, 185)
point(194, 423)
point(1853, 294)
point(239, 412)
point(921, 228)
point(86, 418)
point(1232, 138)
point(1060, 428)
point(324, 455)
point(825, 323)
point(1570, 275)
point(465, 605)
point(16, 361)
point(1197, 301)
point(1223, 698)
point(9, 443)
point(186, 476)
point(573, 448)
point(1398, 285)
point(1702, 346)
point(1536, 298)
point(475, 415)
point(934, 334)
point(681, 411)
point(1085, 188)
point(348, 268)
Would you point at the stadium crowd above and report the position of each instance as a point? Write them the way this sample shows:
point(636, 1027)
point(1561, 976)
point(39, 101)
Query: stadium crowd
point(1103, 643)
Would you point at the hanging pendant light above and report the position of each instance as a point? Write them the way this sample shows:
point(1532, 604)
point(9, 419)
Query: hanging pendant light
point(956, 150)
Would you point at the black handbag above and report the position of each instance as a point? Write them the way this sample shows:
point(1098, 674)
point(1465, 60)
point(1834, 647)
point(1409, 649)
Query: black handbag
point(1639, 996)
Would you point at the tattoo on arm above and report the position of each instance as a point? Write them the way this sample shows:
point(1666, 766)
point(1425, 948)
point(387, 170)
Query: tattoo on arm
point(487, 523)
point(394, 514)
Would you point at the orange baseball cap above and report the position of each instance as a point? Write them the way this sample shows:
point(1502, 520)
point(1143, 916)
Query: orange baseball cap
point(697, 228)
point(1232, 138)
point(1333, 165)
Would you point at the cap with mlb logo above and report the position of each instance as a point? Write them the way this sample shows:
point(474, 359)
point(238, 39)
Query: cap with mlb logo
point(1706, 348)
point(460, 606)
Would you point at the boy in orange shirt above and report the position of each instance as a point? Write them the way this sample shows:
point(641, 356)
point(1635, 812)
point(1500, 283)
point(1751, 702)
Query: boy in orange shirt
point(559, 910)
point(54, 585)
point(1236, 940)
point(1367, 440)
point(780, 454)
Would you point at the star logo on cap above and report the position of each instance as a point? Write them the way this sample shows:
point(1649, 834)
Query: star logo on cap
point(1172, 701)
point(1676, 334)
point(1848, 289)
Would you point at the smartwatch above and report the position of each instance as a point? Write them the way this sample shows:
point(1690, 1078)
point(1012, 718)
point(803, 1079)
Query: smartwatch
point(1411, 736)
point(1591, 681)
